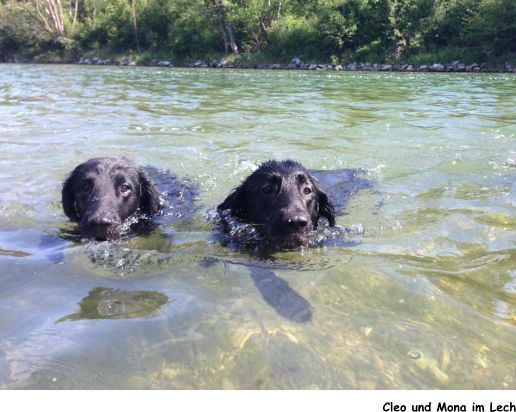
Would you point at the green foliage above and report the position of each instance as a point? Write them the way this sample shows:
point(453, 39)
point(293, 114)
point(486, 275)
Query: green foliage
point(268, 30)
point(491, 26)
point(18, 30)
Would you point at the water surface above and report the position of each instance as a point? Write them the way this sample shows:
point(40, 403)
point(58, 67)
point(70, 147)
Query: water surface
point(421, 293)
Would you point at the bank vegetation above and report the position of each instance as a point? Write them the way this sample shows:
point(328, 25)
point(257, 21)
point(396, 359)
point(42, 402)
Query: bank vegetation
point(262, 30)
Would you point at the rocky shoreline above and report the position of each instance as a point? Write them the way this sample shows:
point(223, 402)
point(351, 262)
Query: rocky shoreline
point(296, 64)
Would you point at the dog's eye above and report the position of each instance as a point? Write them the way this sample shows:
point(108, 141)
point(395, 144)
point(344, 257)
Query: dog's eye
point(267, 189)
point(307, 191)
point(86, 187)
point(124, 188)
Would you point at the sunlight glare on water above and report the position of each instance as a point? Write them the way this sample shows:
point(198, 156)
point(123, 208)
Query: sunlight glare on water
point(417, 289)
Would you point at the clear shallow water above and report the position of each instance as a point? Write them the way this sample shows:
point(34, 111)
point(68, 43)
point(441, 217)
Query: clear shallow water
point(425, 297)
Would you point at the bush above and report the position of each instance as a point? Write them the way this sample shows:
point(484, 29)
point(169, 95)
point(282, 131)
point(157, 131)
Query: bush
point(377, 30)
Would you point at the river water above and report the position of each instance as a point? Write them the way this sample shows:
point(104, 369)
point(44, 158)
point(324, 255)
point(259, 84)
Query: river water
point(420, 294)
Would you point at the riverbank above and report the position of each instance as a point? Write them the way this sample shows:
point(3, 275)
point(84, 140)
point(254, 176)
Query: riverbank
point(295, 64)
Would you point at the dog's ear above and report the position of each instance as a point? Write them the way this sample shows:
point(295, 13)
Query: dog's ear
point(149, 200)
point(325, 205)
point(235, 201)
point(68, 196)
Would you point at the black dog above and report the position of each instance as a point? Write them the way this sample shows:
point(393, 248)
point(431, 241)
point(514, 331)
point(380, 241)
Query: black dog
point(101, 194)
point(283, 198)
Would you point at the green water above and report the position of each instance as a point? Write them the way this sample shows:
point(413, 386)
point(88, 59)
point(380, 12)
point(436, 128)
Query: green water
point(425, 297)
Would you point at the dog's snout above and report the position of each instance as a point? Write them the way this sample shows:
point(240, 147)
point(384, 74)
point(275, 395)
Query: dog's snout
point(295, 222)
point(100, 221)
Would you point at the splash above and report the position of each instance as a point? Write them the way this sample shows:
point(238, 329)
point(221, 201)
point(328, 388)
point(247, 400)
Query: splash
point(244, 233)
point(234, 229)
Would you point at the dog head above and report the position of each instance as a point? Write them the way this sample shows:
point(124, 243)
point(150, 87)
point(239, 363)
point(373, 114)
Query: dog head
point(101, 194)
point(284, 199)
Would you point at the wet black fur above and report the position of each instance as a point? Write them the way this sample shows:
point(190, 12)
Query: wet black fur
point(103, 209)
point(287, 214)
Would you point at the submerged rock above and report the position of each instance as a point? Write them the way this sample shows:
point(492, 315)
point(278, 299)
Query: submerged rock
point(338, 356)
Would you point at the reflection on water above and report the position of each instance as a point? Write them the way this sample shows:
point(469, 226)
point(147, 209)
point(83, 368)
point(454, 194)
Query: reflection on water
point(415, 288)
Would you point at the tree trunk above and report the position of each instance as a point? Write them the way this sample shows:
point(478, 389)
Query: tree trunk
point(61, 19)
point(45, 23)
point(344, 10)
point(279, 10)
point(135, 28)
point(76, 7)
point(270, 14)
point(54, 11)
point(263, 29)
point(232, 42)
point(70, 7)
point(221, 21)
point(56, 14)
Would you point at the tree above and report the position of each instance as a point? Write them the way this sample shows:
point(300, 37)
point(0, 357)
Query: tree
point(55, 23)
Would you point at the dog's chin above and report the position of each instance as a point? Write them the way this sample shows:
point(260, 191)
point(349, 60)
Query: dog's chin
point(102, 234)
point(292, 240)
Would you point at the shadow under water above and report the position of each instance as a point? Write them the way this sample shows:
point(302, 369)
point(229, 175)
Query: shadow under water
point(108, 303)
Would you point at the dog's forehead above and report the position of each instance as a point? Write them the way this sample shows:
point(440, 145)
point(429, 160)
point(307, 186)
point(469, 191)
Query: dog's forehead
point(99, 168)
point(286, 170)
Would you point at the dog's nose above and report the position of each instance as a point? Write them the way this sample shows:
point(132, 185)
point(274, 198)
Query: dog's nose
point(295, 222)
point(100, 221)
